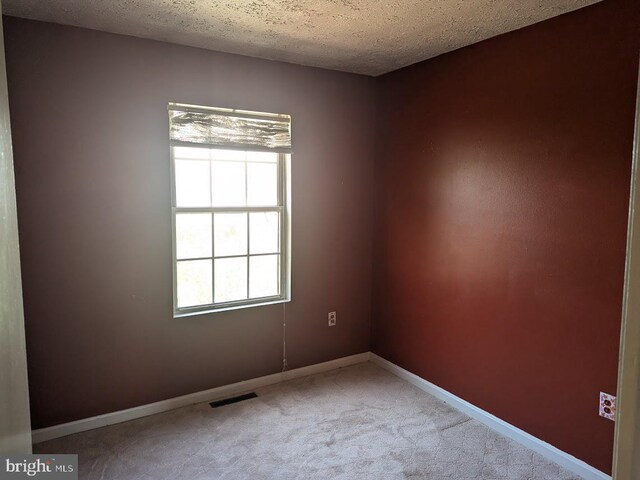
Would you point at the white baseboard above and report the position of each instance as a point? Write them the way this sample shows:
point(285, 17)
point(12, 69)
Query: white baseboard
point(545, 449)
point(43, 434)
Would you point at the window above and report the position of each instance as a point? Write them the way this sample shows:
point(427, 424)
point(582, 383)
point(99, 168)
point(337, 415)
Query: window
point(230, 208)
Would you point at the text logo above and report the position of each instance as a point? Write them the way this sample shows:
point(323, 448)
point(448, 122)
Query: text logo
point(49, 467)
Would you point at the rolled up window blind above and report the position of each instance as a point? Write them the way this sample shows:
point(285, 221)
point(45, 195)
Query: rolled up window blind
point(229, 128)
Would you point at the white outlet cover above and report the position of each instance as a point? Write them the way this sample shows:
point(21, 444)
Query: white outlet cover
point(332, 319)
point(607, 406)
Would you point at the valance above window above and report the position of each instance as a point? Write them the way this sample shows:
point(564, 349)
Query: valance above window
point(229, 128)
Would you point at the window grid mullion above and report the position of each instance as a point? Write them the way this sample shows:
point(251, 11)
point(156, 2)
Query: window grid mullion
point(281, 220)
point(178, 260)
point(248, 252)
point(213, 234)
point(190, 259)
point(232, 256)
point(271, 208)
point(246, 201)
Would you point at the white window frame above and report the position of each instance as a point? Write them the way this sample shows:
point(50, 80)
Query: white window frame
point(283, 207)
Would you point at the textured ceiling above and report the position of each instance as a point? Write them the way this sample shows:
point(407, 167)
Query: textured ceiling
point(362, 36)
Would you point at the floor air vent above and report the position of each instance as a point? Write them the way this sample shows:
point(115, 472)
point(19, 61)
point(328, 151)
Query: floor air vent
point(229, 401)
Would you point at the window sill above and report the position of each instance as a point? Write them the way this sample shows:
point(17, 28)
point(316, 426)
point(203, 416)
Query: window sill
point(229, 308)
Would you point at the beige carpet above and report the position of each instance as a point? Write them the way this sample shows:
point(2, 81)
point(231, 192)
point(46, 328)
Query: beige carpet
point(359, 422)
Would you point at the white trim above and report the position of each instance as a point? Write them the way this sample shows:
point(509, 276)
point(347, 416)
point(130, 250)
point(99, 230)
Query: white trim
point(545, 449)
point(43, 434)
point(548, 451)
point(626, 446)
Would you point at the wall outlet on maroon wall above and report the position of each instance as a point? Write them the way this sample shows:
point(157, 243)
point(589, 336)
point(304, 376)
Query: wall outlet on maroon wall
point(333, 318)
point(608, 406)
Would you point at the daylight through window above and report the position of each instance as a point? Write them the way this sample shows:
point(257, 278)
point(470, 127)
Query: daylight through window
point(230, 208)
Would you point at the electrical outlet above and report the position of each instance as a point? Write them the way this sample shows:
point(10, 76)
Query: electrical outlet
point(608, 406)
point(332, 319)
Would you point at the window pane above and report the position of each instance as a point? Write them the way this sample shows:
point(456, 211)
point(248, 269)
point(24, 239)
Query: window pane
point(262, 157)
point(191, 153)
point(230, 234)
point(193, 235)
point(263, 276)
point(264, 232)
point(231, 279)
point(233, 155)
point(194, 282)
point(228, 184)
point(262, 182)
point(192, 183)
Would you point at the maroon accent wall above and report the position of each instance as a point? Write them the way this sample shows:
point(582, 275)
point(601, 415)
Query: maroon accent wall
point(502, 189)
point(90, 136)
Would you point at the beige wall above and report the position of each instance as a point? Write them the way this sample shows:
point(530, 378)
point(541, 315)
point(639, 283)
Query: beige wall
point(90, 131)
point(15, 428)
